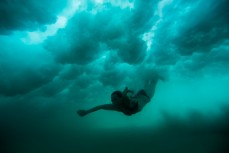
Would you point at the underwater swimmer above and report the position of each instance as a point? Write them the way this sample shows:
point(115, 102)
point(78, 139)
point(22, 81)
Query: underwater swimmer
point(127, 102)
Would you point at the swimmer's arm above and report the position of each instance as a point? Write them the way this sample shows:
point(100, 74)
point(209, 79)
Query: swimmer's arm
point(103, 107)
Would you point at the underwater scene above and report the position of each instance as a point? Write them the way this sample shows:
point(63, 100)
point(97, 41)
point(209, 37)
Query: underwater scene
point(114, 76)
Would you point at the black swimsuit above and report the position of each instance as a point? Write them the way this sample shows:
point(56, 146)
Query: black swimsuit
point(130, 109)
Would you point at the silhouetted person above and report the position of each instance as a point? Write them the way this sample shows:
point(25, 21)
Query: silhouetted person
point(127, 102)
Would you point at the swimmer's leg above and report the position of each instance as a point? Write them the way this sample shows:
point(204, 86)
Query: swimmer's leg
point(145, 95)
point(150, 86)
point(142, 99)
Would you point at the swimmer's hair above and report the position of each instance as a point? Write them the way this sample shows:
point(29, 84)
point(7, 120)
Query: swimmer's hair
point(117, 93)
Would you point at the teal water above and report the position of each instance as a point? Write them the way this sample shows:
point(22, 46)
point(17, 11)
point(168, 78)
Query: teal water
point(57, 57)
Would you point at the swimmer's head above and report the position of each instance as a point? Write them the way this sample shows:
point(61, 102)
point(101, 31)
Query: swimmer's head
point(116, 97)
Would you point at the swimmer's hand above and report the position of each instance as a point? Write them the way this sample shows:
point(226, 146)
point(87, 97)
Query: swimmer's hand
point(82, 113)
point(126, 91)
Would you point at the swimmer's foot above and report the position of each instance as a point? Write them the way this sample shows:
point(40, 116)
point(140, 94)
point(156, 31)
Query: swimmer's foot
point(161, 78)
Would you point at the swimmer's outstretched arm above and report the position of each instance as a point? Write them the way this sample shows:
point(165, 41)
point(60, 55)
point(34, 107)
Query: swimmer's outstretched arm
point(103, 107)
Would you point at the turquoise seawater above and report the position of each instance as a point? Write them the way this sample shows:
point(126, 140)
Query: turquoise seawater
point(58, 57)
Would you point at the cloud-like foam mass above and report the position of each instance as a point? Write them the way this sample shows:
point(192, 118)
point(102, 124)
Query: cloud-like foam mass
point(187, 30)
point(24, 68)
point(28, 14)
point(112, 42)
point(91, 32)
point(205, 27)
